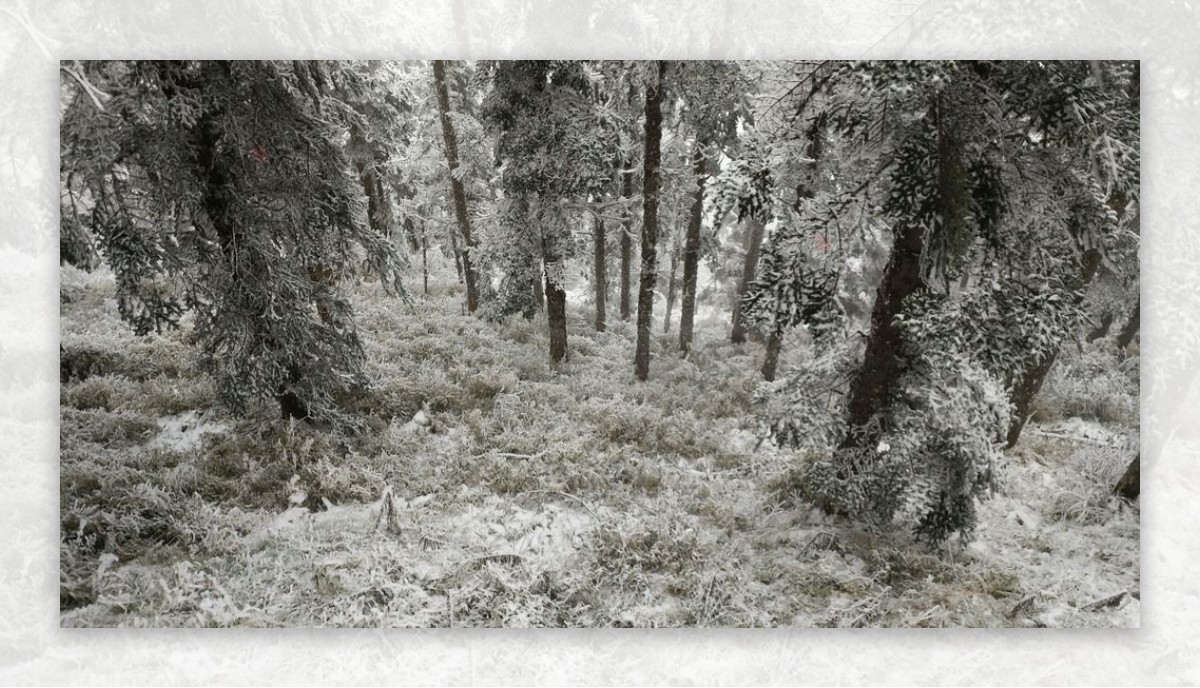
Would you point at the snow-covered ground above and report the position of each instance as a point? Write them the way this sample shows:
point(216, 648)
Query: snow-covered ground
point(490, 489)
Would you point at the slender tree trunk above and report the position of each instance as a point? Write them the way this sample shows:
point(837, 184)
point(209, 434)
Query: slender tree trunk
point(425, 258)
point(691, 253)
point(1130, 330)
point(456, 187)
point(753, 242)
point(672, 282)
point(650, 184)
point(626, 242)
point(600, 273)
point(556, 308)
point(771, 361)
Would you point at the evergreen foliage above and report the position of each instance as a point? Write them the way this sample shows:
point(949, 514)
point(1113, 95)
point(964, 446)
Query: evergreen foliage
point(221, 188)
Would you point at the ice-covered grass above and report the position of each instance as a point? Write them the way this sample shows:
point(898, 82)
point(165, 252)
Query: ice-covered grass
point(490, 488)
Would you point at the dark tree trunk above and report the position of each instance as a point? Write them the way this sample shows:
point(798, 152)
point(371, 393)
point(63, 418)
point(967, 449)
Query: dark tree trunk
point(1033, 377)
point(600, 273)
point(650, 183)
point(1129, 487)
point(752, 244)
point(378, 210)
point(626, 242)
point(771, 361)
point(425, 258)
point(556, 309)
point(456, 187)
point(691, 254)
point(1130, 330)
point(884, 359)
point(1023, 394)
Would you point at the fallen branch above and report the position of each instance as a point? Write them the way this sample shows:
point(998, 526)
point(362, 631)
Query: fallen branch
point(1107, 602)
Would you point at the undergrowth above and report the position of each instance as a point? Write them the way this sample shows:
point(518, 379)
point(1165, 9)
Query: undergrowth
point(482, 486)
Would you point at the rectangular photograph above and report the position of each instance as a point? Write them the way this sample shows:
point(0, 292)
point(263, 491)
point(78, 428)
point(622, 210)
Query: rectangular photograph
point(593, 343)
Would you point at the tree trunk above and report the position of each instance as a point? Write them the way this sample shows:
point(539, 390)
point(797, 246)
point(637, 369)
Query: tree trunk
point(884, 359)
point(671, 282)
point(1033, 377)
point(1129, 487)
point(1023, 394)
point(456, 187)
point(691, 253)
point(771, 361)
point(1130, 330)
point(556, 309)
point(425, 257)
point(626, 242)
point(752, 244)
point(600, 273)
point(653, 139)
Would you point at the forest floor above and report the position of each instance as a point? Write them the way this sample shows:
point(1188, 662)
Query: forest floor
point(488, 489)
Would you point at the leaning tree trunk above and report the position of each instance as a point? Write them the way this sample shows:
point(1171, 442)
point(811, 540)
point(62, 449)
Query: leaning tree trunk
point(626, 241)
point(1129, 487)
point(753, 242)
point(691, 254)
point(653, 139)
point(456, 186)
point(600, 273)
point(1031, 380)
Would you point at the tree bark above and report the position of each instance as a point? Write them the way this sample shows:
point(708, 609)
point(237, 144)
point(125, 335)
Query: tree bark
point(691, 253)
point(652, 131)
point(456, 188)
point(626, 242)
point(771, 360)
point(752, 244)
point(556, 308)
point(600, 273)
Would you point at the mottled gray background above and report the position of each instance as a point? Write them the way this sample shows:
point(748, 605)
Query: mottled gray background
point(35, 34)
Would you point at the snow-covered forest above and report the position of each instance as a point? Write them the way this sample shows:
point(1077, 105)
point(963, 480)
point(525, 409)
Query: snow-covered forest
point(599, 343)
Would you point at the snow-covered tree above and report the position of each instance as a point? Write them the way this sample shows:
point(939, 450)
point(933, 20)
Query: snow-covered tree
point(222, 188)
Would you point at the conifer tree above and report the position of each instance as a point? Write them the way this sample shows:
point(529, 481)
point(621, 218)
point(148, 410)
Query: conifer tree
point(221, 188)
